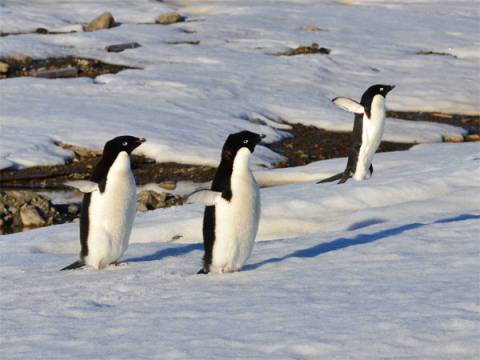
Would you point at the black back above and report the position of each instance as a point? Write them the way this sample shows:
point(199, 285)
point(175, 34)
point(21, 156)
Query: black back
point(222, 183)
point(356, 141)
point(99, 175)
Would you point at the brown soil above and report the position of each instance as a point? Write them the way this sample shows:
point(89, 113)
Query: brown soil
point(468, 122)
point(145, 171)
point(310, 144)
point(84, 67)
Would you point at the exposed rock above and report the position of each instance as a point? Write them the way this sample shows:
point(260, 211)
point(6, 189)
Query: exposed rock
point(169, 18)
point(18, 57)
point(122, 47)
point(453, 138)
point(438, 53)
point(3, 68)
point(304, 50)
point(168, 185)
point(67, 72)
point(31, 216)
point(103, 21)
point(472, 137)
point(61, 67)
point(72, 209)
point(20, 209)
point(312, 28)
point(149, 200)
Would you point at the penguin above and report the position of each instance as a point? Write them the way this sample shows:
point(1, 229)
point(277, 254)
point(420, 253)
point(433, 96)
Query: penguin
point(108, 207)
point(232, 214)
point(368, 126)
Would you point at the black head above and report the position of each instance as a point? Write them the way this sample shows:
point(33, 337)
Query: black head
point(237, 141)
point(376, 90)
point(122, 143)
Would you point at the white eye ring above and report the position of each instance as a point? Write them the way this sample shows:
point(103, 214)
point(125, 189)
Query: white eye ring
point(125, 143)
point(381, 89)
point(245, 141)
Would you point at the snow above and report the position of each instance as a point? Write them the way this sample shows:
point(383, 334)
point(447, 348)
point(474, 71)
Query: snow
point(384, 268)
point(185, 99)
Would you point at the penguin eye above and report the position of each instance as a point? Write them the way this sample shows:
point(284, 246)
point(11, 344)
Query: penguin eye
point(381, 89)
point(245, 141)
point(125, 143)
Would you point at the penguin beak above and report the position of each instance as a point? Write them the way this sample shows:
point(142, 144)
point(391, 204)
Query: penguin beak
point(391, 87)
point(140, 141)
point(261, 137)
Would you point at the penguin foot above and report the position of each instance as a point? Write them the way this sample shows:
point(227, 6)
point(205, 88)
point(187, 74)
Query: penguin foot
point(202, 271)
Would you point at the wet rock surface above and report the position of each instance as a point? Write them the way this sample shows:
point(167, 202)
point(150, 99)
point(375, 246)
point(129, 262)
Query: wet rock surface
point(20, 65)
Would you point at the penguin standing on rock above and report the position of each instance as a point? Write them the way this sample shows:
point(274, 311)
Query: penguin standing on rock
point(367, 132)
point(232, 214)
point(108, 207)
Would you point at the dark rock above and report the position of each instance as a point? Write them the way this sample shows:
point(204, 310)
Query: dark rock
point(67, 72)
point(304, 50)
point(121, 47)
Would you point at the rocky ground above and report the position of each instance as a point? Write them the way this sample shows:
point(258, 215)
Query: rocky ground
point(21, 207)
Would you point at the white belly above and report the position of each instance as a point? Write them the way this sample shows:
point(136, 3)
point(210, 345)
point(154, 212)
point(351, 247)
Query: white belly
point(236, 224)
point(111, 216)
point(372, 133)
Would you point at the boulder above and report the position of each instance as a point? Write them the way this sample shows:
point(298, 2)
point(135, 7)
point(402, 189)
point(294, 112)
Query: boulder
point(169, 18)
point(31, 216)
point(453, 138)
point(103, 21)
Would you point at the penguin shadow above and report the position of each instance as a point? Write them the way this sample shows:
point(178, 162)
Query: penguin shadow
point(343, 243)
point(169, 252)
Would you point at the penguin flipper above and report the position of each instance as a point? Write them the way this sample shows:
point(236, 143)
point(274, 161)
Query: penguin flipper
point(77, 264)
point(349, 105)
point(203, 196)
point(85, 186)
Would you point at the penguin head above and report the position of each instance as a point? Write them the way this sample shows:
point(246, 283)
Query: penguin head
point(240, 140)
point(378, 89)
point(122, 143)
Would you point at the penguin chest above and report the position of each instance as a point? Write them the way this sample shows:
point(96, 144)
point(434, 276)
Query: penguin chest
point(236, 225)
point(372, 133)
point(111, 218)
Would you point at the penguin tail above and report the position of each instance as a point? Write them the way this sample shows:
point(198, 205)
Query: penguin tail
point(336, 177)
point(77, 264)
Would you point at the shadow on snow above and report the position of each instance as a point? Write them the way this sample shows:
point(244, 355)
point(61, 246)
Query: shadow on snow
point(342, 243)
point(164, 253)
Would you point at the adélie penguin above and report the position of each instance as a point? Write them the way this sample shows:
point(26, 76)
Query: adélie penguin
point(367, 133)
point(109, 205)
point(232, 214)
